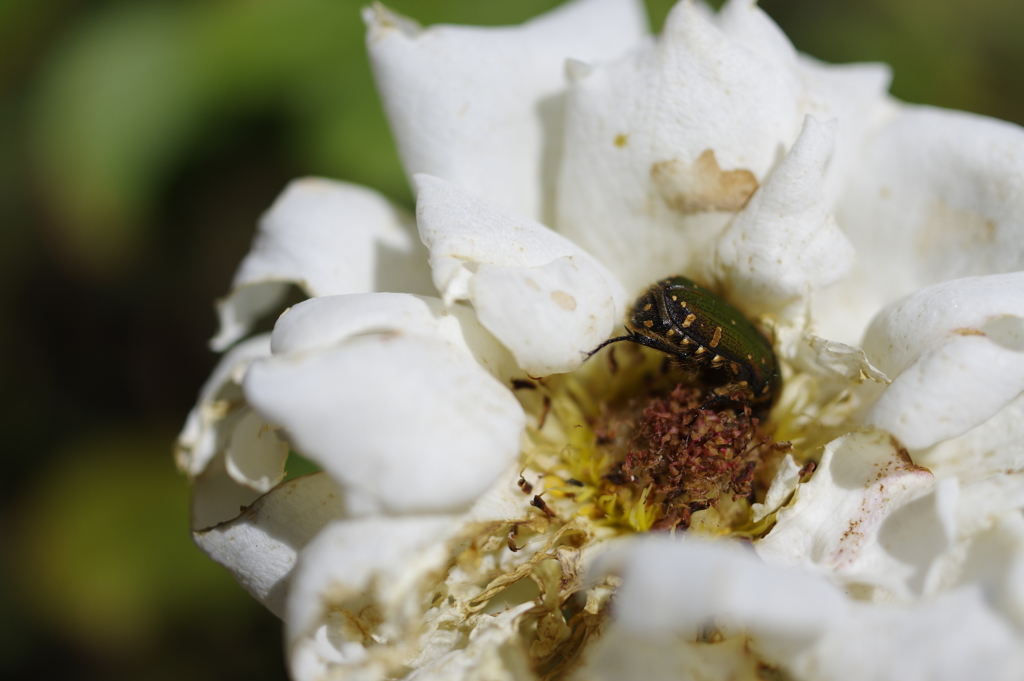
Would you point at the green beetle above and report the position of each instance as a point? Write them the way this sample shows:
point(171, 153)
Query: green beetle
point(706, 336)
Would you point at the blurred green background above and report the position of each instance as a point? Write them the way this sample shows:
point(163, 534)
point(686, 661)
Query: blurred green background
point(139, 142)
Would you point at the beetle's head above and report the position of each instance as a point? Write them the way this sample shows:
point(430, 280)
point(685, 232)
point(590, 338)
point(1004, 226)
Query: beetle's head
point(647, 317)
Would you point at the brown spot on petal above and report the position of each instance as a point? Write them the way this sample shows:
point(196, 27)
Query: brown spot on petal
point(564, 300)
point(621, 140)
point(965, 331)
point(702, 186)
point(532, 284)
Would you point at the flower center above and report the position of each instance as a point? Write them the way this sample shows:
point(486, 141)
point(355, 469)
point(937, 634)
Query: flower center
point(633, 443)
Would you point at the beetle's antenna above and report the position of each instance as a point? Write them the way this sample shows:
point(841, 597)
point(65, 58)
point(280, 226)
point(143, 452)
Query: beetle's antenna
point(608, 342)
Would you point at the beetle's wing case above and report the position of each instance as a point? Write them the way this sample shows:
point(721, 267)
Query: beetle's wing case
point(706, 335)
point(722, 330)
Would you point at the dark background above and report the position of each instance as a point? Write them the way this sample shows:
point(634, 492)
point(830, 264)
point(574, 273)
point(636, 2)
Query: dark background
point(139, 142)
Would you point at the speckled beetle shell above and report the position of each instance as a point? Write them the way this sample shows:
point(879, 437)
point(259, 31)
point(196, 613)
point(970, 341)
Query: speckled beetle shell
point(706, 336)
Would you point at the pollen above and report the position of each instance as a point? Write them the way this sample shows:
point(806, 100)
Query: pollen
point(647, 307)
point(717, 338)
point(648, 323)
point(690, 319)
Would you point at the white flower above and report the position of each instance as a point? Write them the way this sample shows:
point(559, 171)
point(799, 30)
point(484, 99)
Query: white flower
point(560, 167)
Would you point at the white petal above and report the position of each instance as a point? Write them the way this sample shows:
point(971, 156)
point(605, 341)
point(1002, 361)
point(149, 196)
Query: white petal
point(987, 501)
point(327, 321)
point(352, 565)
point(255, 456)
point(624, 655)
point(404, 423)
point(481, 107)
point(955, 352)
point(748, 25)
point(796, 623)
point(548, 316)
point(995, 446)
point(544, 298)
point(260, 547)
point(990, 306)
point(854, 95)
point(681, 585)
point(996, 563)
point(867, 516)
point(953, 386)
point(954, 637)
point(647, 140)
point(205, 433)
point(784, 244)
point(939, 195)
point(326, 237)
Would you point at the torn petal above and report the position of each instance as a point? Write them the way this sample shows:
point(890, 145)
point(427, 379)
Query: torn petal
point(405, 423)
point(326, 237)
point(784, 244)
point(260, 547)
point(481, 107)
point(544, 298)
